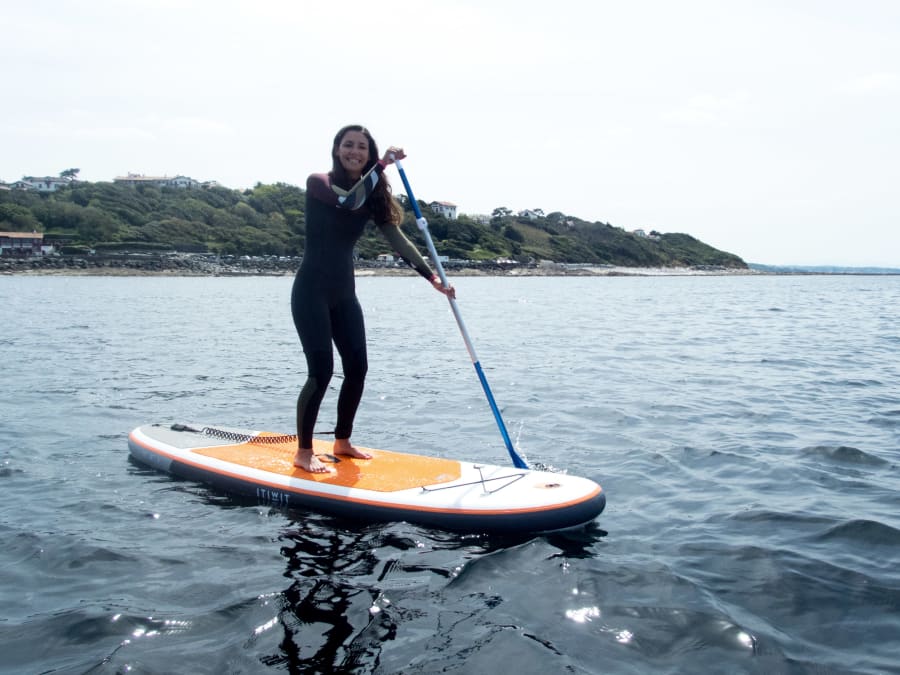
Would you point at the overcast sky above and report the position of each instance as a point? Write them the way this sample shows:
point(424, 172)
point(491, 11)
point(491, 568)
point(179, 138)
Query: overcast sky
point(765, 128)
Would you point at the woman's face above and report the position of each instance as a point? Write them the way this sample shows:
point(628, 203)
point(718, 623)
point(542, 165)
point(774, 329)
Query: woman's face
point(353, 153)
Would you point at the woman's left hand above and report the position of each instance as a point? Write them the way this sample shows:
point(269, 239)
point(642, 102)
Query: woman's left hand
point(393, 154)
point(449, 291)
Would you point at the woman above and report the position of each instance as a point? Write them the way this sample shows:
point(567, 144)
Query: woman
point(323, 299)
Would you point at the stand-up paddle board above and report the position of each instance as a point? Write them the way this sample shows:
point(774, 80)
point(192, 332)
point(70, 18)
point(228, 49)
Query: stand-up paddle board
point(392, 486)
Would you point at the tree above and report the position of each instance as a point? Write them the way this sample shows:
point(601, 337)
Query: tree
point(69, 174)
point(18, 219)
point(96, 225)
point(513, 234)
point(501, 212)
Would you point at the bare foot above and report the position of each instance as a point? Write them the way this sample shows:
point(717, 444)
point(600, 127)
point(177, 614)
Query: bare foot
point(306, 460)
point(342, 446)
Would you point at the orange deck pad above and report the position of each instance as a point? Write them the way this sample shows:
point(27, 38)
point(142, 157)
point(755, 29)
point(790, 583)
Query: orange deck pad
point(385, 472)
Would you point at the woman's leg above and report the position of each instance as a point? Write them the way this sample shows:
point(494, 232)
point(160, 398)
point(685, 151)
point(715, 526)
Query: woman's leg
point(350, 339)
point(320, 367)
point(313, 324)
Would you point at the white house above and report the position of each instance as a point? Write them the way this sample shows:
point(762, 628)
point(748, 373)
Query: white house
point(531, 215)
point(184, 182)
point(446, 209)
point(135, 179)
point(41, 183)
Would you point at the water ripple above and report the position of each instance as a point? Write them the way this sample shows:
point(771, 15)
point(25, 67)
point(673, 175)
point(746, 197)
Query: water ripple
point(747, 441)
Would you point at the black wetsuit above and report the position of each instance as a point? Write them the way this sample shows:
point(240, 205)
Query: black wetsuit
point(323, 299)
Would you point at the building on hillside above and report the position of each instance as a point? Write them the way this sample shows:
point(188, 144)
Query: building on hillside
point(21, 244)
point(47, 183)
point(446, 209)
point(39, 183)
point(135, 179)
point(531, 215)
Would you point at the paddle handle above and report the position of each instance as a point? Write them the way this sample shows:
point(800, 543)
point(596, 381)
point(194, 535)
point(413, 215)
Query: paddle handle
point(518, 462)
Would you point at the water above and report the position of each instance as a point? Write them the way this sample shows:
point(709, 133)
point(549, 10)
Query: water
point(746, 430)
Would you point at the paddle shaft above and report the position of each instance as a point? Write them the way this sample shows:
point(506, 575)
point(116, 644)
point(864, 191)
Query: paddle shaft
point(423, 226)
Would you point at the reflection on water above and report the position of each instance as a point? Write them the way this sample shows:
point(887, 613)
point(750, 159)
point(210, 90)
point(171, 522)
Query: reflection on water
point(341, 609)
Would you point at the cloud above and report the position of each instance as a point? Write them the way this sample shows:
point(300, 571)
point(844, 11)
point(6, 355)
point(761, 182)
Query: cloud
point(74, 129)
point(80, 125)
point(113, 133)
point(149, 128)
point(710, 109)
point(874, 83)
point(196, 125)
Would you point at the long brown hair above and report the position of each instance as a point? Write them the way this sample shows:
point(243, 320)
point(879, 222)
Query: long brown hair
point(382, 204)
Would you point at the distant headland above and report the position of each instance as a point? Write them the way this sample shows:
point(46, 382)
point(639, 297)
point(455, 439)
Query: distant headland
point(96, 223)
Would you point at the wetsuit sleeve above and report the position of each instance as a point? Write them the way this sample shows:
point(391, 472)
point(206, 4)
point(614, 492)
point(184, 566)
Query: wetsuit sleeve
point(319, 185)
point(406, 249)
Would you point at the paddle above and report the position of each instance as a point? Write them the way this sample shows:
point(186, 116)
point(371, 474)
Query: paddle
point(518, 462)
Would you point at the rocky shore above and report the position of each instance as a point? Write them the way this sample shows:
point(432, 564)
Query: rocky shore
point(200, 265)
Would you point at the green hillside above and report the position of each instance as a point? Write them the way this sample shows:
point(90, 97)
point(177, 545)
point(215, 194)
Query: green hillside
point(270, 220)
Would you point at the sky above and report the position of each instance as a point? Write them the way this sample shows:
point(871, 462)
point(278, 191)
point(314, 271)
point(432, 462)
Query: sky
point(766, 128)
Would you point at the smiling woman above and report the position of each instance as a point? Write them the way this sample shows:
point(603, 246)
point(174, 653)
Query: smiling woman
point(323, 300)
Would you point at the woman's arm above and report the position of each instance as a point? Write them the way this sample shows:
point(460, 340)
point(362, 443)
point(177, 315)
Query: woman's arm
point(413, 258)
point(406, 249)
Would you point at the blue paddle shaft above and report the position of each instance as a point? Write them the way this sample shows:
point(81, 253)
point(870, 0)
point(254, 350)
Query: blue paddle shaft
point(518, 462)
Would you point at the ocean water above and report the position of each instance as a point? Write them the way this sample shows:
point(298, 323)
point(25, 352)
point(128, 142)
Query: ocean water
point(746, 431)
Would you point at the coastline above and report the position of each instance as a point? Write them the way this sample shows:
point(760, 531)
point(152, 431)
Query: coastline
point(577, 271)
point(187, 266)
